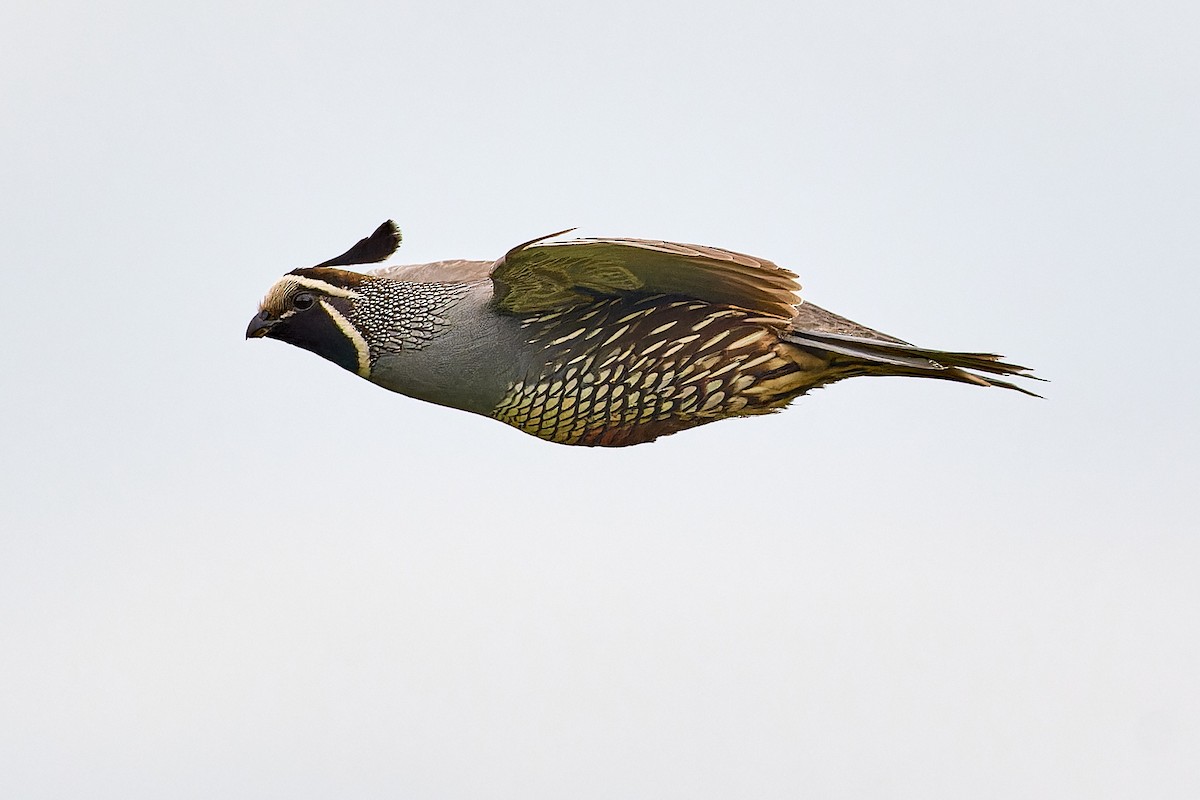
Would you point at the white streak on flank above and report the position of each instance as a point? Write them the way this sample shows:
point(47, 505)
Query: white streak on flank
point(754, 362)
point(714, 340)
point(635, 314)
point(744, 382)
point(673, 349)
point(745, 340)
point(351, 333)
point(726, 368)
point(619, 332)
point(568, 337)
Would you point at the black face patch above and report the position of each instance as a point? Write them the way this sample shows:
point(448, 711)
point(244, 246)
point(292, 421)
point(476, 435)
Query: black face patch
point(315, 330)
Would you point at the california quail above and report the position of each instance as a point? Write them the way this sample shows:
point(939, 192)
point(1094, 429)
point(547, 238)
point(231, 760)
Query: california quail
point(590, 341)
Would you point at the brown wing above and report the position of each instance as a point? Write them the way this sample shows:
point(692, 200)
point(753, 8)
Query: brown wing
point(541, 275)
point(455, 271)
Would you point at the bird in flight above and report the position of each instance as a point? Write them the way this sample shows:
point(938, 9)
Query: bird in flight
point(608, 342)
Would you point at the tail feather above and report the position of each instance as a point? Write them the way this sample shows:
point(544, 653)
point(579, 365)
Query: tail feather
point(867, 356)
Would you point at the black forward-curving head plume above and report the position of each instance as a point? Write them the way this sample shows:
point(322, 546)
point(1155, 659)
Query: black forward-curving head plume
point(310, 307)
point(376, 247)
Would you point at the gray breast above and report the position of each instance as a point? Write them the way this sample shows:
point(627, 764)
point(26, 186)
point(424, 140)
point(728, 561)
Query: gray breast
point(448, 346)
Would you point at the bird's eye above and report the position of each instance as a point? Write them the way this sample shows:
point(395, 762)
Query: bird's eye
point(302, 301)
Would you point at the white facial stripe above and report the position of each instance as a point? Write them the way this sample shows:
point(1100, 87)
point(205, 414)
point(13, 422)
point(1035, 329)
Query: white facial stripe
point(322, 286)
point(360, 344)
point(278, 299)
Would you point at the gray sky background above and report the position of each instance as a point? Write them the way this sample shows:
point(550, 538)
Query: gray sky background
point(229, 569)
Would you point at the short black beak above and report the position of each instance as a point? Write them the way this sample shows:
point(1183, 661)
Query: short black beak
point(260, 325)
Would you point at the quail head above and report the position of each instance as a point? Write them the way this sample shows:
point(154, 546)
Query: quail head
point(590, 341)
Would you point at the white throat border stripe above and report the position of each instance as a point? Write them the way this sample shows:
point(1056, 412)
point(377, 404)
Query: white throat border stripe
point(351, 333)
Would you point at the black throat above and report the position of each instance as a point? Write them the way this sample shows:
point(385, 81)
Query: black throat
point(315, 330)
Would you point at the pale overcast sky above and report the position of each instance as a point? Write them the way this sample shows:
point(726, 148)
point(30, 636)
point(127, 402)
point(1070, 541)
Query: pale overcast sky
point(229, 569)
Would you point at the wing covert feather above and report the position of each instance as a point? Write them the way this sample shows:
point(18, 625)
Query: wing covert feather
point(453, 271)
point(541, 275)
